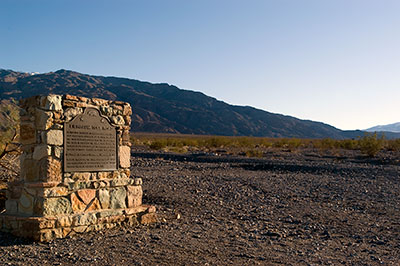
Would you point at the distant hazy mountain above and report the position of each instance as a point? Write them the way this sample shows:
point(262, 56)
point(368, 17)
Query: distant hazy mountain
point(395, 127)
point(166, 108)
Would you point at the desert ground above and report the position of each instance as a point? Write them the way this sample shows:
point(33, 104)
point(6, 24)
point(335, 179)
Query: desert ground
point(287, 208)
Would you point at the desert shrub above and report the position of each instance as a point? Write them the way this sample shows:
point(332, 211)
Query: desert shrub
point(136, 141)
point(290, 143)
point(333, 144)
point(252, 146)
point(158, 144)
point(172, 142)
point(190, 142)
point(280, 143)
point(178, 143)
point(254, 153)
point(9, 127)
point(216, 142)
point(244, 142)
point(265, 143)
point(325, 144)
point(349, 144)
point(393, 145)
point(9, 132)
point(294, 143)
point(371, 144)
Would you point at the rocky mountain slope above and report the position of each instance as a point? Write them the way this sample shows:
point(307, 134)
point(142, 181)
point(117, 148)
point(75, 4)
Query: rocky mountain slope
point(395, 127)
point(167, 109)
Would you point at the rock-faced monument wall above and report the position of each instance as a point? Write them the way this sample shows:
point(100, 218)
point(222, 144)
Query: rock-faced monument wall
point(75, 169)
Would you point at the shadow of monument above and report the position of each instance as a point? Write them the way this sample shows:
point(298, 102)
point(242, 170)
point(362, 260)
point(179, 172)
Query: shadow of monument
point(7, 239)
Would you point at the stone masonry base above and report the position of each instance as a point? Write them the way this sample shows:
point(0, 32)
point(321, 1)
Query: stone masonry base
point(48, 228)
point(75, 169)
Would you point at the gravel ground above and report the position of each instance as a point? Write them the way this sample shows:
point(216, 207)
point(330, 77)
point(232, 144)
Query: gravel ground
point(285, 209)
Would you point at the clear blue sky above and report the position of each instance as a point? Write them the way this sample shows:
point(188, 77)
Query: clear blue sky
point(334, 61)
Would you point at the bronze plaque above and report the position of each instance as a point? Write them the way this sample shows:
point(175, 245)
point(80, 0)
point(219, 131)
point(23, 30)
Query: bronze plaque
point(90, 143)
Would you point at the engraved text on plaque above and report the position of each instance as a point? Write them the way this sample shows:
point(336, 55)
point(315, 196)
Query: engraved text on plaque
point(90, 143)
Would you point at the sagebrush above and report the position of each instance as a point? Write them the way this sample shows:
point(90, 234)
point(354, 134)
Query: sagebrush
point(370, 144)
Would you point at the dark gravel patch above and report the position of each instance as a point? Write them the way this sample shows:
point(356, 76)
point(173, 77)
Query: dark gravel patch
point(288, 209)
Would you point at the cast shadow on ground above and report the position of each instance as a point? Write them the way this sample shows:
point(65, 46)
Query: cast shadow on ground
point(7, 239)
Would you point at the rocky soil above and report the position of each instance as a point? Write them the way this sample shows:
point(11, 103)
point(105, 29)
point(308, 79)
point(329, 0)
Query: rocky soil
point(284, 209)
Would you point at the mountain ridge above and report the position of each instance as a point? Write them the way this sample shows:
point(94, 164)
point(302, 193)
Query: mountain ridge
point(165, 108)
point(394, 127)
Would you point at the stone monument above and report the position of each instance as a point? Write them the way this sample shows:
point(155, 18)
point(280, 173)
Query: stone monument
point(75, 174)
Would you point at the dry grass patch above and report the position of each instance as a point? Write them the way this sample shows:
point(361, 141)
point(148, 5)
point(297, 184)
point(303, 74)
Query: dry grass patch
point(369, 145)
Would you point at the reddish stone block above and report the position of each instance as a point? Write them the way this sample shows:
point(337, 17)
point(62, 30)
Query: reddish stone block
point(83, 99)
point(71, 97)
point(94, 206)
point(68, 103)
point(86, 195)
point(99, 102)
point(77, 205)
point(148, 218)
